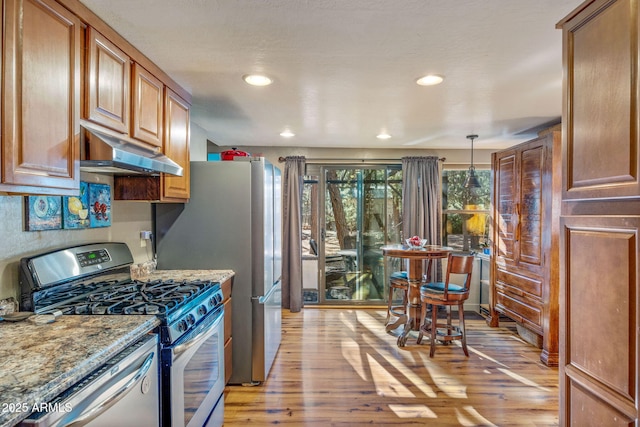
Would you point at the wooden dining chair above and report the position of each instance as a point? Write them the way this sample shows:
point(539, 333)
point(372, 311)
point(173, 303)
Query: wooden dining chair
point(447, 294)
point(399, 281)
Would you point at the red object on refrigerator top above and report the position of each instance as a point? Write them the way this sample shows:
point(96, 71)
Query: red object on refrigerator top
point(234, 152)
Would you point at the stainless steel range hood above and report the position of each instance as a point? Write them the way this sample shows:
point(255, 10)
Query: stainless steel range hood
point(112, 153)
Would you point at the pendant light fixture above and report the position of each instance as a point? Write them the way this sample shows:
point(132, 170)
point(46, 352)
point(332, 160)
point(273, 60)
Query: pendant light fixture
point(472, 180)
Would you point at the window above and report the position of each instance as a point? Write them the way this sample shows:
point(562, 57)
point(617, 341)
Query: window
point(465, 211)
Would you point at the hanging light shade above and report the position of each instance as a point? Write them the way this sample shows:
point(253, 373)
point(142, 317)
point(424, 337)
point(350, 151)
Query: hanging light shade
point(472, 180)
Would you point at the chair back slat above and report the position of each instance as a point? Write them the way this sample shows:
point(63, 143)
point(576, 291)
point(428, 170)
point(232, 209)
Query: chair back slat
point(459, 264)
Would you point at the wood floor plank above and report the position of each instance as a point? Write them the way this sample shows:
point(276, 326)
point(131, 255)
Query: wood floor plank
point(338, 367)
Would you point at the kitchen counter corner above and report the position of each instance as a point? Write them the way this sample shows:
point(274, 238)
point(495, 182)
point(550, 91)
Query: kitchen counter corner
point(38, 362)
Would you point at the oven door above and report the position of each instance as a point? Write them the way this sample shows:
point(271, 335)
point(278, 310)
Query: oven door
point(195, 375)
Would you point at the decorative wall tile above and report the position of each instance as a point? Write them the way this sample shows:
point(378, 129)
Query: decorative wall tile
point(43, 213)
point(99, 205)
point(75, 209)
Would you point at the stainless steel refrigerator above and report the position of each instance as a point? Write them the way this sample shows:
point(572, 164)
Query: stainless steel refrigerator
point(233, 221)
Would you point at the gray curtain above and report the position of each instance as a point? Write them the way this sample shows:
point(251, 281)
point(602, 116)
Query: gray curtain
point(421, 200)
point(292, 233)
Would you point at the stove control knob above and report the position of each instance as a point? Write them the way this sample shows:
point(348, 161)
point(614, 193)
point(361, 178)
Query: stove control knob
point(202, 310)
point(191, 319)
point(213, 301)
point(182, 326)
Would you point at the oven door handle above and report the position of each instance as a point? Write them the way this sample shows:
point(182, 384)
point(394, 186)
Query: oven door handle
point(87, 416)
point(196, 336)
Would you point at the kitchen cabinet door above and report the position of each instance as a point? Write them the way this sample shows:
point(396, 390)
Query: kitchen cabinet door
point(41, 98)
point(163, 188)
point(108, 83)
point(226, 287)
point(600, 217)
point(148, 107)
point(176, 147)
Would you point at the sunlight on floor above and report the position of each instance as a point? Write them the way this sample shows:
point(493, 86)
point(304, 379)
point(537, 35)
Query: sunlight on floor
point(347, 318)
point(485, 356)
point(386, 383)
point(352, 354)
point(443, 381)
point(476, 420)
point(412, 411)
point(408, 373)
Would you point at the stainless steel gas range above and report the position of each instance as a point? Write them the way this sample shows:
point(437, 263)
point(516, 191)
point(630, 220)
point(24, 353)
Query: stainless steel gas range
point(95, 279)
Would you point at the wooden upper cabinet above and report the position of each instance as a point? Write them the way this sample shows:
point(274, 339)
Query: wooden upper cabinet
point(148, 106)
point(108, 83)
point(602, 158)
point(41, 98)
point(176, 147)
point(163, 188)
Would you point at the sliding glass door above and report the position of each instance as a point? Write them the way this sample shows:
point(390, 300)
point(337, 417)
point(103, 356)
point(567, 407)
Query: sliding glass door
point(359, 212)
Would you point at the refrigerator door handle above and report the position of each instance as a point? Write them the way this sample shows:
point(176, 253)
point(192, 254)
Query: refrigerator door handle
point(263, 298)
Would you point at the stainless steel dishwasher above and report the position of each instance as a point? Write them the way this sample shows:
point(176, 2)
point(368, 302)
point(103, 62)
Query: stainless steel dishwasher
point(122, 392)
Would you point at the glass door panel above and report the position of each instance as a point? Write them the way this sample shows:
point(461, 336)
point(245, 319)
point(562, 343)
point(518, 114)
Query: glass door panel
point(361, 212)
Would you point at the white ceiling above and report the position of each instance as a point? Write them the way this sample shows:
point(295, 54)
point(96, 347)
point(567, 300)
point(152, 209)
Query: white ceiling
point(345, 70)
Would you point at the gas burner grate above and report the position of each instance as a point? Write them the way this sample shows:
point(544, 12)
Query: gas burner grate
point(158, 297)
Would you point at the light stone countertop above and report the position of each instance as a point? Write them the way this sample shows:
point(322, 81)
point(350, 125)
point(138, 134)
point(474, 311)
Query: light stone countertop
point(214, 275)
point(38, 362)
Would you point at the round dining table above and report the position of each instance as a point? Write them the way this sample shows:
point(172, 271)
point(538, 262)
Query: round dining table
point(416, 255)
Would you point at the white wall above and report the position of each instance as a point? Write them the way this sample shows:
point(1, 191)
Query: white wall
point(197, 143)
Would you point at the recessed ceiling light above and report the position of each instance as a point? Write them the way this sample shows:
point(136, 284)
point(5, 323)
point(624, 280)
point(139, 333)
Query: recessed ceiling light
point(287, 134)
point(383, 135)
point(257, 79)
point(430, 80)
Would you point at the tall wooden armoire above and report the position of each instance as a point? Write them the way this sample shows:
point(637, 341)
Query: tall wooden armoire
point(600, 217)
point(524, 227)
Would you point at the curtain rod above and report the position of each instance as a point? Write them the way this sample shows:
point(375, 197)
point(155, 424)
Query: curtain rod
point(312, 160)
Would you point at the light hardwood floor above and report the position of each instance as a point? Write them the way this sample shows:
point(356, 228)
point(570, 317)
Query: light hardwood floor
point(338, 367)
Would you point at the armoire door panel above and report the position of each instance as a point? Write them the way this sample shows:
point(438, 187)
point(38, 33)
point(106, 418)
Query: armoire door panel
point(505, 196)
point(530, 206)
point(600, 316)
point(602, 156)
